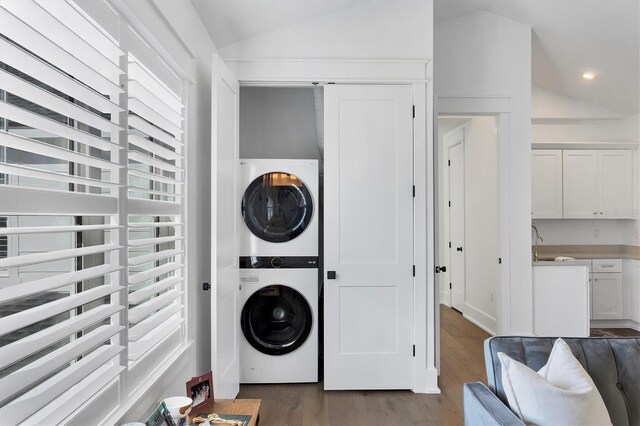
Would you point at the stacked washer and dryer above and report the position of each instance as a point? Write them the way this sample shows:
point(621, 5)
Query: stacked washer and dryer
point(279, 271)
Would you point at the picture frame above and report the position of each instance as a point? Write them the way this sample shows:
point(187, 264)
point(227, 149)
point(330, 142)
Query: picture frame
point(200, 390)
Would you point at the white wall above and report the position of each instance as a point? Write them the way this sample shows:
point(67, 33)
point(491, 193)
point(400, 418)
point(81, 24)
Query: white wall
point(558, 118)
point(374, 29)
point(486, 55)
point(277, 123)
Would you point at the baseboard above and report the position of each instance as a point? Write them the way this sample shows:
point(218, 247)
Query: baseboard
point(443, 299)
point(429, 382)
point(480, 319)
point(625, 323)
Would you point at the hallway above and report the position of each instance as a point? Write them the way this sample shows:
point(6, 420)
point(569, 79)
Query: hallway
point(308, 404)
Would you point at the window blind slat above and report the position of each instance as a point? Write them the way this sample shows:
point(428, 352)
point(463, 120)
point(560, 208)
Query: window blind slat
point(14, 141)
point(144, 95)
point(34, 67)
point(139, 295)
point(37, 370)
point(150, 192)
point(148, 241)
point(54, 229)
point(153, 162)
point(150, 146)
point(141, 74)
point(30, 259)
point(37, 95)
point(64, 405)
point(56, 32)
point(21, 408)
point(154, 132)
point(145, 309)
point(143, 327)
point(33, 343)
point(83, 28)
point(54, 177)
point(146, 258)
point(153, 177)
point(20, 115)
point(26, 201)
point(145, 344)
point(31, 316)
point(141, 277)
point(151, 115)
point(51, 283)
point(154, 224)
point(17, 30)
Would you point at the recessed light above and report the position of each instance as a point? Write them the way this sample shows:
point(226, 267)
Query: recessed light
point(588, 75)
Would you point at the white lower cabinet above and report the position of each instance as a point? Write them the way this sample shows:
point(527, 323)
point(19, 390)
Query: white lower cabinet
point(607, 293)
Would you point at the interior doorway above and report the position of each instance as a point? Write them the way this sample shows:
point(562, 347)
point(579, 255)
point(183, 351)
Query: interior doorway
point(468, 217)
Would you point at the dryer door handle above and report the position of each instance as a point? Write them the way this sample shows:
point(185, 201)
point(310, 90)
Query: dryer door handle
point(331, 275)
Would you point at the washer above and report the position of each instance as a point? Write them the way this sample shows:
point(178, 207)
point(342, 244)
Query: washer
point(279, 320)
point(279, 206)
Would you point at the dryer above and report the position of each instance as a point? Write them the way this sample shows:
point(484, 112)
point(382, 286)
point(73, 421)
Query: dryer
point(279, 320)
point(279, 206)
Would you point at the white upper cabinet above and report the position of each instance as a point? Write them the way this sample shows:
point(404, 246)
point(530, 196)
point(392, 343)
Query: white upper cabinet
point(546, 185)
point(580, 187)
point(598, 184)
point(615, 183)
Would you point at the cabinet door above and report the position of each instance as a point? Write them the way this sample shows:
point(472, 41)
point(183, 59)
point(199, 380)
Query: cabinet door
point(546, 184)
point(580, 184)
point(615, 184)
point(606, 296)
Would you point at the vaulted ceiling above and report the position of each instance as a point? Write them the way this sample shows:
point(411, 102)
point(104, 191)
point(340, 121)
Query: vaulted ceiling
point(569, 37)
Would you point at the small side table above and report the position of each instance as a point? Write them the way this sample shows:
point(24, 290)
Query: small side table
point(233, 406)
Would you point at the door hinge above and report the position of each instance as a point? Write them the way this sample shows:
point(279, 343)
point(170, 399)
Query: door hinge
point(500, 260)
point(414, 191)
point(449, 244)
point(449, 161)
point(414, 111)
point(449, 203)
point(414, 270)
point(414, 351)
point(450, 286)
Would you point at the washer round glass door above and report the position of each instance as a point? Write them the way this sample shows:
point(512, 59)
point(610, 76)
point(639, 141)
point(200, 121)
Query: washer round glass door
point(276, 320)
point(277, 207)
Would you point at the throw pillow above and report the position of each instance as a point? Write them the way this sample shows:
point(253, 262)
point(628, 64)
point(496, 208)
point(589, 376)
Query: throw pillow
point(561, 393)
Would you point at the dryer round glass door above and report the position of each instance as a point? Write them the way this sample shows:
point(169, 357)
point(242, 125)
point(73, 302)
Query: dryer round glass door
point(276, 320)
point(277, 207)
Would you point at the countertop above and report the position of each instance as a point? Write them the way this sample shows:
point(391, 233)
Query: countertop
point(550, 252)
point(577, 262)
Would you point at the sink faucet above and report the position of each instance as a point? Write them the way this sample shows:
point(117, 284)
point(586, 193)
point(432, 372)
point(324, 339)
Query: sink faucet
point(538, 237)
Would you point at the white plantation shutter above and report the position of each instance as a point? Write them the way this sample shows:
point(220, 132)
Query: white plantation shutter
point(60, 328)
point(92, 185)
point(155, 204)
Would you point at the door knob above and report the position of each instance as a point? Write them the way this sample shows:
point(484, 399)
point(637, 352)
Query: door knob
point(459, 249)
point(206, 286)
point(331, 275)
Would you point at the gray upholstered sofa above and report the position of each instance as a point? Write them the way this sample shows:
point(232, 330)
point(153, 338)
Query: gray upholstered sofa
point(612, 363)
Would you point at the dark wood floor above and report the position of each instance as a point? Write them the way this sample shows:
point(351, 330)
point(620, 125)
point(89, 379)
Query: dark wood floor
point(308, 404)
point(614, 332)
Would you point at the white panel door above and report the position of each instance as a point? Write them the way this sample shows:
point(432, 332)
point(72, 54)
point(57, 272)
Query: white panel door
point(456, 225)
point(546, 184)
point(615, 183)
point(368, 241)
point(580, 184)
point(606, 297)
point(224, 210)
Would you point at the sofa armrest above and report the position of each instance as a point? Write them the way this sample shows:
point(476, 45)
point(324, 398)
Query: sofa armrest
point(483, 407)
